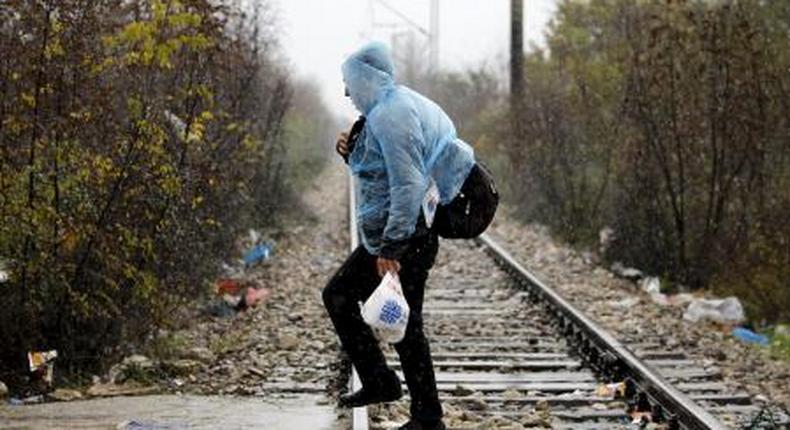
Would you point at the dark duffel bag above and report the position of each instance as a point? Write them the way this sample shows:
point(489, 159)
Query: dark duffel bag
point(472, 210)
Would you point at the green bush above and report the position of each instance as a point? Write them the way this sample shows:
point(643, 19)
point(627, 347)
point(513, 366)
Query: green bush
point(669, 123)
point(136, 140)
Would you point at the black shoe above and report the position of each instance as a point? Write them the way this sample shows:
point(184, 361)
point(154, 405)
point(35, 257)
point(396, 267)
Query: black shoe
point(364, 397)
point(416, 425)
point(386, 390)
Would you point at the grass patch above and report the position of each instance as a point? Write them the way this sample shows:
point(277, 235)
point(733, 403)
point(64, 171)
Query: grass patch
point(780, 343)
point(167, 346)
point(226, 343)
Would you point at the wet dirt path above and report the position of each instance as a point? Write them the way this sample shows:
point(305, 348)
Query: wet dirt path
point(172, 412)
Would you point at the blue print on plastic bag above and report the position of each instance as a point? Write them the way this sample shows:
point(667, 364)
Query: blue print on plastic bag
point(390, 312)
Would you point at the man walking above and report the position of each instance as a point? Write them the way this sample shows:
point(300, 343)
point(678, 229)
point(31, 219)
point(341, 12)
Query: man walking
point(404, 145)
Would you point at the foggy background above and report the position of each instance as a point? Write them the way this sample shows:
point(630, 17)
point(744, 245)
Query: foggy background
point(317, 34)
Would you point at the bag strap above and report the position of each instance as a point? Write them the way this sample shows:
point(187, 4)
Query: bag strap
point(353, 135)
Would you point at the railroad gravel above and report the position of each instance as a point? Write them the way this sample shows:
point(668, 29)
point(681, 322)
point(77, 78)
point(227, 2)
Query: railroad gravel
point(286, 344)
point(467, 263)
point(621, 307)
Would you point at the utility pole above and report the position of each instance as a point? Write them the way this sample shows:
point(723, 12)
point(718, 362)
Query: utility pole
point(516, 53)
point(516, 69)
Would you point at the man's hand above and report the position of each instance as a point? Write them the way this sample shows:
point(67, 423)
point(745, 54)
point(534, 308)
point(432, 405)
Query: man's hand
point(342, 144)
point(384, 265)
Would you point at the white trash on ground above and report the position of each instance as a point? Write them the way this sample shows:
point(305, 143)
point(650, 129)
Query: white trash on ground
point(724, 311)
point(3, 272)
point(605, 238)
point(626, 272)
point(652, 286)
point(386, 310)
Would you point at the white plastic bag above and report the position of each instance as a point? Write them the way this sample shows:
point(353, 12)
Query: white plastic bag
point(723, 311)
point(386, 310)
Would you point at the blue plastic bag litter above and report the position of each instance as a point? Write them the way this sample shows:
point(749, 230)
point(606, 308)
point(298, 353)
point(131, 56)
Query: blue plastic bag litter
point(749, 336)
point(257, 254)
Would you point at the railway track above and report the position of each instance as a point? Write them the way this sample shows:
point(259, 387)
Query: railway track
point(510, 353)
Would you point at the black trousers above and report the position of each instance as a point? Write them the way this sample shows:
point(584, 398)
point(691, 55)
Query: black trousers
point(354, 282)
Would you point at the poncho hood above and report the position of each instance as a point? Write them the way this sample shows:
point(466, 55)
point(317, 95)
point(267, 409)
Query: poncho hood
point(369, 74)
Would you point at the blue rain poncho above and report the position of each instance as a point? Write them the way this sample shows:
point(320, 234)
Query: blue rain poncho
point(407, 139)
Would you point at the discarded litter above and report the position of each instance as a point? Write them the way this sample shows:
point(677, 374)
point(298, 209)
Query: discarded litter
point(32, 400)
point(231, 272)
point(660, 299)
point(232, 301)
point(253, 296)
point(605, 238)
point(626, 272)
point(228, 286)
point(39, 359)
point(386, 310)
point(3, 272)
point(258, 253)
point(724, 311)
point(221, 310)
point(641, 417)
point(177, 123)
point(253, 237)
point(616, 389)
point(748, 336)
point(42, 364)
point(651, 285)
point(236, 296)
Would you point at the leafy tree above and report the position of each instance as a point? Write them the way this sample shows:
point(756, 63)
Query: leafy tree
point(669, 122)
point(137, 139)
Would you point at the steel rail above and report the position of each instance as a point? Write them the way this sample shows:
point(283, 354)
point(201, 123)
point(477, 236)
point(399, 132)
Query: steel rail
point(359, 415)
point(688, 413)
